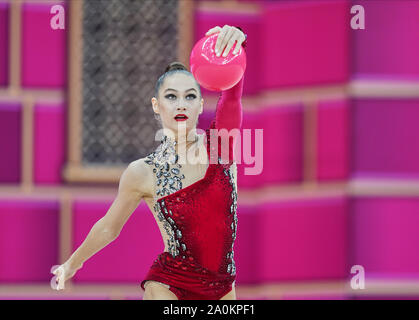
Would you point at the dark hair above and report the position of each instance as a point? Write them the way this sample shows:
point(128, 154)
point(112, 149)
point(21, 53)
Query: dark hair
point(174, 67)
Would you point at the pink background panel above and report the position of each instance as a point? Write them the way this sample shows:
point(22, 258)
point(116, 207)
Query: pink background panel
point(304, 43)
point(282, 144)
point(246, 244)
point(44, 57)
point(250, 25)
point(129, 257)
point(384, 137)
point(388, 46)
point(251, 121)
point(384, 235)
point(303, 239)
point(49, 143)
point(332, 140)
point(10, 142)
point(28, 240)
point(4, 44)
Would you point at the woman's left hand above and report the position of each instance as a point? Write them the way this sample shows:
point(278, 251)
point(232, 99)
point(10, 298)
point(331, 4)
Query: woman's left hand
point(228, 37)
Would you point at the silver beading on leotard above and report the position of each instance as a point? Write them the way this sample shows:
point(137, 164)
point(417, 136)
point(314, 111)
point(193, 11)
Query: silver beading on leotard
point(166, 167)
point(168, 180)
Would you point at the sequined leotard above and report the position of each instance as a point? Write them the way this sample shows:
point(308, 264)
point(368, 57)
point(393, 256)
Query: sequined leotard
point(199, 220)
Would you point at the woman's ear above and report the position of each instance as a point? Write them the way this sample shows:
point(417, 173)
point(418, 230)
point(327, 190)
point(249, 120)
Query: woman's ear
point(155, 105)
point(202, 106)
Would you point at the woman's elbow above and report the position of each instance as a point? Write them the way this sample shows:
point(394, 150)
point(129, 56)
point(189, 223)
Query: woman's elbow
point(109, 231)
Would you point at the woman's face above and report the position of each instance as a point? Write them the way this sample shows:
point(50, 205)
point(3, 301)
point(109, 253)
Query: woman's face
point(178, 95)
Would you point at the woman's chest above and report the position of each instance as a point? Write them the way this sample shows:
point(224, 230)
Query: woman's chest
point(213, 192)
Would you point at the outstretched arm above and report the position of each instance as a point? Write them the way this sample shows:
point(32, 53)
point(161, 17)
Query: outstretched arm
point(134, 185)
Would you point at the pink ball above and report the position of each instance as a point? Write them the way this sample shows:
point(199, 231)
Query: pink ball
point(216, 73)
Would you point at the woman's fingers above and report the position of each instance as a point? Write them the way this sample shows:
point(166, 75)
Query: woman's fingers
point(229, 46)
point(57, 282)
point(53, 282)
point(213, 30)
point(58, 273)
point(61, 283)
point(228, 36)
point(222, 39)
point(241, 39)
point(54, 268)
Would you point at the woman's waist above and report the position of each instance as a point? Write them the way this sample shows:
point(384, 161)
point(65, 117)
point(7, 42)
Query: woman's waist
point(193, 264)
point(190, 276)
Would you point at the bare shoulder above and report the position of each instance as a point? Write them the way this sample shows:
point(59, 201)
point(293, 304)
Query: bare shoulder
point(138, 176)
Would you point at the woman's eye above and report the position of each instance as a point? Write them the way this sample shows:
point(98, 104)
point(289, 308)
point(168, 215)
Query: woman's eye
point(172, 95)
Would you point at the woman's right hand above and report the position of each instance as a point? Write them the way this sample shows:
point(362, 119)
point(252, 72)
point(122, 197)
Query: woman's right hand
point(62, 274)
point(228, 36)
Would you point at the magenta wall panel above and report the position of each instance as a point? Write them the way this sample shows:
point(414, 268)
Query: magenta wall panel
point(250, 25)
point(332, 140)
point(4, 44)
point(246, 244)
point(384, 236)
point(251, 121)
point(282, 145)
point(304, 42)
point(385, 137)
point(388, 45)
point(303, 239)
point(44, 51)
point(49, 142)
point(10, 142)
point(28, 239)
point(129, 257)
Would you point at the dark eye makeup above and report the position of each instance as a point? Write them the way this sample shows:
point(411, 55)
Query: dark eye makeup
point(169, 95)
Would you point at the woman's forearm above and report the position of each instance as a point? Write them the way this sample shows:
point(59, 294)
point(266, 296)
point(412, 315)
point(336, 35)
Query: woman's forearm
point(228, 113)
point(98, 238)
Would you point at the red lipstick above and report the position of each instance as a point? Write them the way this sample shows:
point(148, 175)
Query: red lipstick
point(181, 117)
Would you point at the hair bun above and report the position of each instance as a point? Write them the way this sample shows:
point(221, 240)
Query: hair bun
point(175, 66)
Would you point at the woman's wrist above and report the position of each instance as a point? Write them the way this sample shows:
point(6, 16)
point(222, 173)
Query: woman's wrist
point(73, 264)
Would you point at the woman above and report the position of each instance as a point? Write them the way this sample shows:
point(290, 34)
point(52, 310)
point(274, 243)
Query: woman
point(194, 204)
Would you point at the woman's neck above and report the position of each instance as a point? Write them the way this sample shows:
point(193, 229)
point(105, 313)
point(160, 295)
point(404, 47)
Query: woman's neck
point(183, 141)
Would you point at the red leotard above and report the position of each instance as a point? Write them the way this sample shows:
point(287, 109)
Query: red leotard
point(200, 219)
